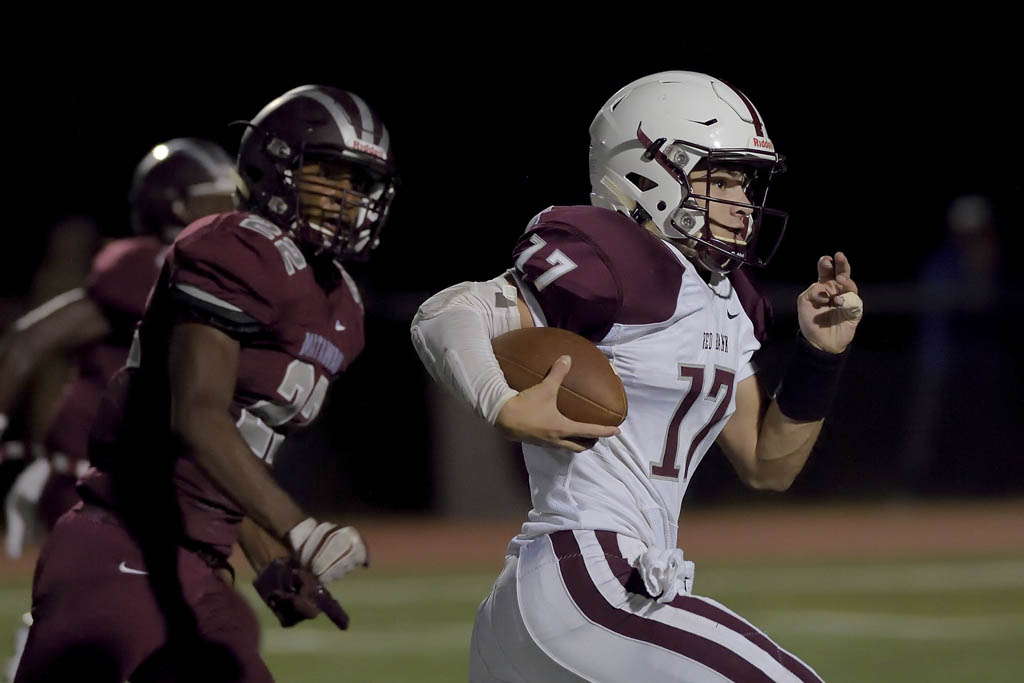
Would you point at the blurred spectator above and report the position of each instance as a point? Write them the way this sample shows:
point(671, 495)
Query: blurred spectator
point(951, 420)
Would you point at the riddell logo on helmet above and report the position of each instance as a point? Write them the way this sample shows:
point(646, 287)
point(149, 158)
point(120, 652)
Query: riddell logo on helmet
point(763, 143)
point(369, 149)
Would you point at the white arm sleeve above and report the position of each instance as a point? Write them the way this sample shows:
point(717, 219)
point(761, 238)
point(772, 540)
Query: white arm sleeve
point(452, 334)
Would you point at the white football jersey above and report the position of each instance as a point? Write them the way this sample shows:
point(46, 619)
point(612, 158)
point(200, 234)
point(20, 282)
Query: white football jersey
point(679, 345)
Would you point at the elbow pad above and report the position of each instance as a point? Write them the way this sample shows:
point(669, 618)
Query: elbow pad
point(452, 333)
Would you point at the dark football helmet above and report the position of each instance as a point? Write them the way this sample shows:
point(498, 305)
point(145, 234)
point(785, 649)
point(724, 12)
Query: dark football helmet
point(180, 181)
point(302, 129)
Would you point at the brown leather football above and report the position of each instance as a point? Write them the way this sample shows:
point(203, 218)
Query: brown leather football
point(591, 392)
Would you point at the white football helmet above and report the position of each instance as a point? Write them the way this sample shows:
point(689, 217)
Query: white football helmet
point(653, 133)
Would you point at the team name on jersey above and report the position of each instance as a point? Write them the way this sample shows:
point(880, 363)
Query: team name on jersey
point(322, 351)
point(714, 341)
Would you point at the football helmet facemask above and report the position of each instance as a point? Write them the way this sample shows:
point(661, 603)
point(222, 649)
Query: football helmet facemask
point(317, 162)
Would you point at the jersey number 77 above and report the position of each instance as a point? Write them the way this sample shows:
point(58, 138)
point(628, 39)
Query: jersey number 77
point(668, 466)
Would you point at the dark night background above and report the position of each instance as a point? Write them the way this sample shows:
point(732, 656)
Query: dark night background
point(883, 129)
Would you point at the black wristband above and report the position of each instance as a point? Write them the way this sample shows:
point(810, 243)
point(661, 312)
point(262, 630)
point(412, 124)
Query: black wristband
point(810, 383)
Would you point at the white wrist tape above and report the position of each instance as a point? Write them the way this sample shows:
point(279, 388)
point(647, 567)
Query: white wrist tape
point(452, 334)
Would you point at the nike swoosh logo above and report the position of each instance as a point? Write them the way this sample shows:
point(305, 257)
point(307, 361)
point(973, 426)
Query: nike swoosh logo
point(730, 316)
point(338, 326)
point(125, 569)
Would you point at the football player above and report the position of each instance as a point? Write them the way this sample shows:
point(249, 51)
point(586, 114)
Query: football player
point(177, 182)
point(251, 318)
point(594, 588)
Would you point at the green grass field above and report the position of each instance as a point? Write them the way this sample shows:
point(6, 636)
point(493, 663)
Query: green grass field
point(914, 620)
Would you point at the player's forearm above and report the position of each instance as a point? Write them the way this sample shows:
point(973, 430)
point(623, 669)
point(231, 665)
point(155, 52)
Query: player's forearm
point(452, 334)
point(783, 446)
point(20, 355)
point(213, 442)
point(202, 366)
point(66, 322)
point(17, 361)
point(259, 546)
point(792, 420)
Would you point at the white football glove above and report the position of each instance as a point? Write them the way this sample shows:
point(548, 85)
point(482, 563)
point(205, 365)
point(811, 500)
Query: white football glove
point(22, 507)
point(326, 549)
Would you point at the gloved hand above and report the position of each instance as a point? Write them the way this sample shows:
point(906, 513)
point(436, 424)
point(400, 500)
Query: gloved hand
point(294, 594)
point(328, 550)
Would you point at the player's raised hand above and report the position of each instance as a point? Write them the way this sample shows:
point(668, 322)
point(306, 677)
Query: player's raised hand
point(532, 416)
point(830, 309)
point(328, 550)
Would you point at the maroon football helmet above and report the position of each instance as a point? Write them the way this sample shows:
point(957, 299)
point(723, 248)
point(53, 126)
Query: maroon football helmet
point(180, 181)
point(312, 124)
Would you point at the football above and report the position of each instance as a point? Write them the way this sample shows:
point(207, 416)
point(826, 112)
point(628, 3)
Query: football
point(591, 392)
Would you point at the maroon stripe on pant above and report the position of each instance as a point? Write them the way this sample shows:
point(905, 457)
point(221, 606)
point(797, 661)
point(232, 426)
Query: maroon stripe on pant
point(596, 608)
point(631, 580)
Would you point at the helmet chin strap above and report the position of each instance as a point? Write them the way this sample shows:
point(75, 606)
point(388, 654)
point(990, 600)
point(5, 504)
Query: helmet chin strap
point(689, 246)
point(692, 221)
point(702, 255)
point(628, 204)
point(730, 264)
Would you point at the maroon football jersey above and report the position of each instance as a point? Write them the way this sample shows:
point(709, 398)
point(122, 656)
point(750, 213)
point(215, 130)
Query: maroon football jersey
point(299, 325)
point(122, 274)
point(589, 268)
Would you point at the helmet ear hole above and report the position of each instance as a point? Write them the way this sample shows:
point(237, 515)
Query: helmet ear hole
point(641, 183)
point(254, 173)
